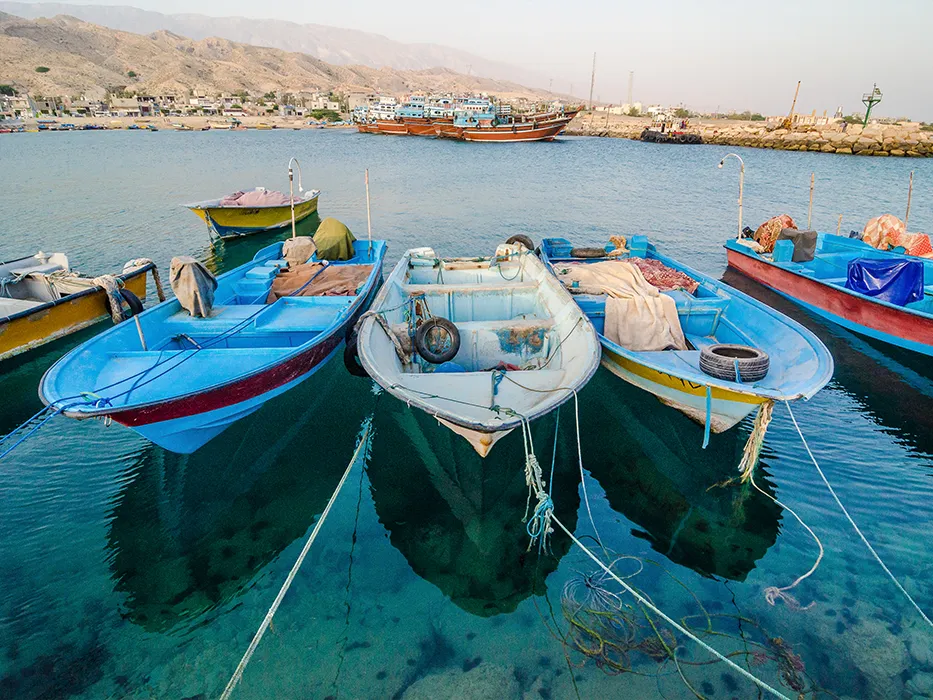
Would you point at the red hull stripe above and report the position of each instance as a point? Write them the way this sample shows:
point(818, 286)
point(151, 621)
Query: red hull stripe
point(878, 317)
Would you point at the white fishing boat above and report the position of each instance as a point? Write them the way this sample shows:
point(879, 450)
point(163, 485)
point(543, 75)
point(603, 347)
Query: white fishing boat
point(483, 344)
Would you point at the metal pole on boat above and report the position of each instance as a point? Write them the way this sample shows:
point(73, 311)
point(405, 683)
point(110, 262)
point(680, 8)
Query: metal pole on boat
point(910, 191)
point(741, 184)
point(291, 188)
point(369, 217)
point(810, 208)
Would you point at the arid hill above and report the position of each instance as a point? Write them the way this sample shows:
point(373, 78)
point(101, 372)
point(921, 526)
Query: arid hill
point(84, 58)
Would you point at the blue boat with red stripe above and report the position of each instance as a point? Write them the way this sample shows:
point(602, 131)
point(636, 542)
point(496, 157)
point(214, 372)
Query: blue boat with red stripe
point(180, 380)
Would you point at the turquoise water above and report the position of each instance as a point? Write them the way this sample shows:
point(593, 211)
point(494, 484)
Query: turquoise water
point(128, 571)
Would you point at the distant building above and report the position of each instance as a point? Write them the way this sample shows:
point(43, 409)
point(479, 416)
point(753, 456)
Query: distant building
point(124, 107)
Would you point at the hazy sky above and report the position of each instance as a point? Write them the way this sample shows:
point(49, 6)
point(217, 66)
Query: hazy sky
point(728, 54)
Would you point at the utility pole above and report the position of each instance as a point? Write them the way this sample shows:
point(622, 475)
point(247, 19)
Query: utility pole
point(593, 80)
point(631, 84)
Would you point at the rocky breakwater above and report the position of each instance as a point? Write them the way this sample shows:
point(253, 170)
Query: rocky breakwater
point(902, 140)
point(906, 139)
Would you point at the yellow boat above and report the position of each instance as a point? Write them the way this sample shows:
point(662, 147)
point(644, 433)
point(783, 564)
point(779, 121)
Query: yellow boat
point(42, 299)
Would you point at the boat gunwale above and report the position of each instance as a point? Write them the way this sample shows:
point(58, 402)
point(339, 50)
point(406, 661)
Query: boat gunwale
point(123, 277)
point(399, 391)
point(209, 204)
point(818, 381)
point(88, 411)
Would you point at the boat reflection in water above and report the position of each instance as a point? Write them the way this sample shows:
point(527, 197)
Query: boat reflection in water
point(191, 531)
point(650, 464)
point(892, 385)
point(456, 517)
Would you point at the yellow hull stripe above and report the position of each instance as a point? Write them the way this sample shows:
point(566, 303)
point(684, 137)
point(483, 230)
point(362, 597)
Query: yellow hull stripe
point(48, 324)
point(245, 218)
point(679, 384)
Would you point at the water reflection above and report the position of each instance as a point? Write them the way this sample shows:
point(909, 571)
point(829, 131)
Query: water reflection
point(892, 385)
point(224, 255)
point(457, 517)
point(650, 463)
point(191, 531)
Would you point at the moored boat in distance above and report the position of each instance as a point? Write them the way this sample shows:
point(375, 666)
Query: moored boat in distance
point(490, 127)
point(179, 379)
point(483, 344)
point(697, 344)
point(834, 280)
point(42, 299)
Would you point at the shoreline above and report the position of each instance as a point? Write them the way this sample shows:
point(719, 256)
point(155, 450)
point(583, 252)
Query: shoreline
point(165, 123)
point(898, 140)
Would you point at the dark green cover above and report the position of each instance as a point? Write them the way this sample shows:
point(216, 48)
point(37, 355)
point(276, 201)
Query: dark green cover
point(333, 240)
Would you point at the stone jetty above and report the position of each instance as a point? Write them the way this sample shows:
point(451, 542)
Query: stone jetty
point(903, 139)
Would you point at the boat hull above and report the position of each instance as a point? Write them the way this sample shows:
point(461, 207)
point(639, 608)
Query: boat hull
point(882, 322)
point(30, 329)
point(231, 222)
point(727, 408)
point(510, 133)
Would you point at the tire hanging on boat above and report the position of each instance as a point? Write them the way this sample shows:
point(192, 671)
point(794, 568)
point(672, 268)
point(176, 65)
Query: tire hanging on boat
point(132, 301)
point(425, 347)
point(523, 239)
point(588, 252)
point(722, 360)
point(351, 356)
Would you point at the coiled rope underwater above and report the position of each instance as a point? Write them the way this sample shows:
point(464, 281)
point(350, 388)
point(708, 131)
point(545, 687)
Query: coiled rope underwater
point(362, 448)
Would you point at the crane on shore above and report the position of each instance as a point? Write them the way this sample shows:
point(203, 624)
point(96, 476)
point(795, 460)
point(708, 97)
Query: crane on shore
point(788, 122)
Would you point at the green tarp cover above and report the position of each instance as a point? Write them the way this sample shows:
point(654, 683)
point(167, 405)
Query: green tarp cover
point(333, 240)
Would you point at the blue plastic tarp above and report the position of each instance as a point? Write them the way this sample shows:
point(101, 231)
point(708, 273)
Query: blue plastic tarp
point(897, 282)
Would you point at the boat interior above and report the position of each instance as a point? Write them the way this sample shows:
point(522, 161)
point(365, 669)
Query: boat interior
point(242, 334)
point(714, 313)
point(830, 264)
point(30, 282)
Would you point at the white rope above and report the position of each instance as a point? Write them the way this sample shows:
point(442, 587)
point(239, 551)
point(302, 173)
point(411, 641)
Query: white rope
point(267, 620)
point(644, 601)
point(852, 522)
point(586, 498)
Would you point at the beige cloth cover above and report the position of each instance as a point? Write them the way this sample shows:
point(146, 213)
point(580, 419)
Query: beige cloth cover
point(193, 284)
point(298, 250)
point(336, 280)
point(638, 316)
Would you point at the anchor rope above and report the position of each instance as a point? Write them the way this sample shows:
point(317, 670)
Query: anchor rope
point(361, 448)
point(845, 512)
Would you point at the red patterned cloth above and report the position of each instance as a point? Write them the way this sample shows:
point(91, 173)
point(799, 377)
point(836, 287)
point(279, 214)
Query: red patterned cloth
point(916, 244)
point(663, 277)
point(768, 232)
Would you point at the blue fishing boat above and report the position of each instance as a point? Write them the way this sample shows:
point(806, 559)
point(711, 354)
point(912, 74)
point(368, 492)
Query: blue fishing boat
point(709, 350)
point(883, 295)
point(180, 380)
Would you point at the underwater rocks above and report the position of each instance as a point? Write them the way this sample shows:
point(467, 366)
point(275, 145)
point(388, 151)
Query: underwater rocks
point(483, 681)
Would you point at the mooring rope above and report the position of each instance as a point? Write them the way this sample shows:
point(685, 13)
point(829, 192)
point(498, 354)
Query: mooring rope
point(683, 630)
point(852, 522)
point(361, 448)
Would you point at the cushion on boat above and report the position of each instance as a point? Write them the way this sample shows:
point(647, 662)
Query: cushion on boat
point(193, 285)
point(321, 280)
point(897, 282)
point(333, 240)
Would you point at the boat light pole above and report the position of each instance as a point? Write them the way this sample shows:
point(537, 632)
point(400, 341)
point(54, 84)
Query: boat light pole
point(291, 188)
point(741, 184)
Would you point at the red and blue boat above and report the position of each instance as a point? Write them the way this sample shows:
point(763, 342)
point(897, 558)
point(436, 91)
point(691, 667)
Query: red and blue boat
point(883, 295)
point(180, 380)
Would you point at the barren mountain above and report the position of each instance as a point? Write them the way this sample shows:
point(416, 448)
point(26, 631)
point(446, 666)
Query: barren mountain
point(85, 58)
point(331, 44)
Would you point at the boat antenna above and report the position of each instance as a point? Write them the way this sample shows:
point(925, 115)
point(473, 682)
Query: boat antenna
point(810, 208)
point(291, 188)
point(910, 191)
point(369, 217)
point(741, 184)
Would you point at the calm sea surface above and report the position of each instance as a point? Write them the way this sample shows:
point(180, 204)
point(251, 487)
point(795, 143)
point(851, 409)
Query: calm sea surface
point(128, 571)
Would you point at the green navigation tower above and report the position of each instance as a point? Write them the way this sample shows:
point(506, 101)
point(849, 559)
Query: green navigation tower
point(870, 99)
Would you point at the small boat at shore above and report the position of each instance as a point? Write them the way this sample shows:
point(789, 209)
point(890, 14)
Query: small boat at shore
point(702, 347)
point(43, 299)
point(883, 295)
point(483, 344)
point(180, 379)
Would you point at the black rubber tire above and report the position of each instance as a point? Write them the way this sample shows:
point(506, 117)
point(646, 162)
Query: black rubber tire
point(719, 361)
point(421, 341)
point(132, 301)
point(523, 239)
point(588, 252)
point(351, 357)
